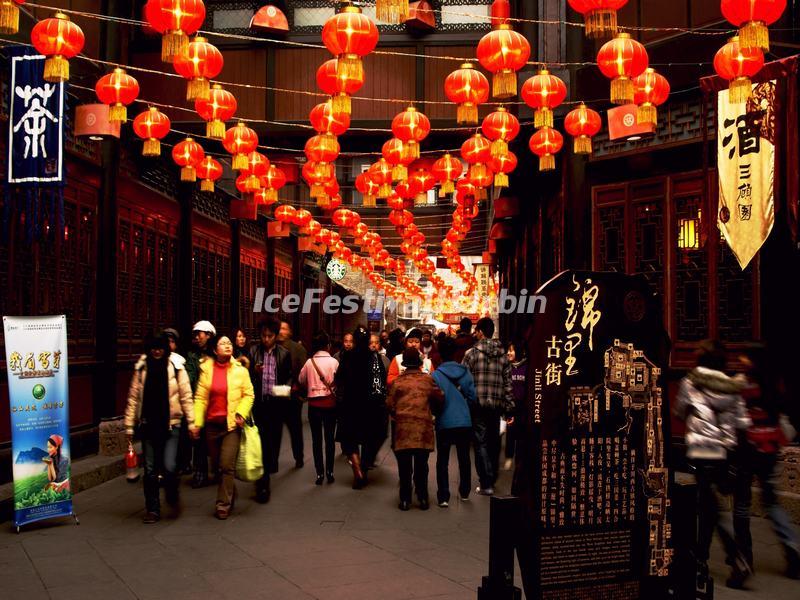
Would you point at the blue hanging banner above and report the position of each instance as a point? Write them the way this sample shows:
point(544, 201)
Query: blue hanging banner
point(37, 111)
point(38, 390)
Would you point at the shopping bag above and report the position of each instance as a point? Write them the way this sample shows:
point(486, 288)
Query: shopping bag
point(249, 466)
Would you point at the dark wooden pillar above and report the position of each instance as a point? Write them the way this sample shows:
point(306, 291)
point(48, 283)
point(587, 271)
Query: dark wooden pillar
point(236, 273)
point(185, 266)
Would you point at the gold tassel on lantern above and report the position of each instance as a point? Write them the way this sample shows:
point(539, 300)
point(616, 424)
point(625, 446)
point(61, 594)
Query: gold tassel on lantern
point(239, 162)
point(271, 195)
point(206, 185)
point(582, 145)
point(501, 180)
point(499, 148)
point(547, 162)
point(252, 183)
point(647, 114)
point(504, 84)
point(754, 34)
point(151, 147)
point(399, 173)
point(215, 129)
point(349, 66)
point(448, 187)
point(478, 171)
point(542, 117)
point(323, 201)
point(56, 69)
point(9, 17)
point(198, 88)
point(323, 171)
point(411, 150)
point(117, 113)
point(420, 199)
point(317, 191)
point(621, 90)
point(601, 23)
point(369, 201)
point(188, 174)
point(740, 90)
point(384, 190)
point(467, 114)
point(328, 142)
point(341, 103)
point(391, 11)
point(173, 43)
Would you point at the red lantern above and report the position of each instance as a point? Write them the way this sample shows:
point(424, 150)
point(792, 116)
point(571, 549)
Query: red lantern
point(500, 127)
point(401, 218)
point(240, 141)
point(328, 237)
point(187, 154)
point(327, 121)
point(503, 52)
point(447, 169)
point(621, 60)
point(285, 213)
point(322, 151)
point(651, 89)
point(151, 125)
point(468, 88)
point(209, 170)
point(198, 63)
point(339, 87)
point(582, 123)
point(312, 228)
point(600, 16)
point(274, 180)
point(502, 165)
point(117, 89)
point(543, 92)
point(59, 39)
point(359, 231)
point(465, 191)
point(176, 20)
point(752, 18)
point(257, 167)
point(330, 202)
point(394, 151)
point(480, 175)
point(381, 173)
point(477, 152)
point(544, 144)
point(9, 16)
point(350, 35)
point(420, 183)
point(411, 127)
point(220, 106)
point(367, 188)
point(302, 218)
point(738, 65)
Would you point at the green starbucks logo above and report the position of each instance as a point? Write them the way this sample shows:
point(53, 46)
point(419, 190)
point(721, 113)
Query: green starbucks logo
point(38, 391)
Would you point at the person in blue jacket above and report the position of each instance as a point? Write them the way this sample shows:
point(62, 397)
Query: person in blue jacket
point(454, 424)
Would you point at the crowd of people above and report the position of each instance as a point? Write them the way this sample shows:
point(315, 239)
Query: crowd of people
point(425, 393)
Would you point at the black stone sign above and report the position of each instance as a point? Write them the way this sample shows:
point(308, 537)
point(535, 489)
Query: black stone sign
point(592, 473)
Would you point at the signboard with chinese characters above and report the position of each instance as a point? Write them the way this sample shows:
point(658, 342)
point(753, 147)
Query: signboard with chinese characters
point(746, 164)
point(36, 358)
point(36, 122)
point(592, 473)
point(483, 276)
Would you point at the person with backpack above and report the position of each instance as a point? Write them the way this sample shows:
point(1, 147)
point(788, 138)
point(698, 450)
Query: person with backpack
point(758, 457)
point(317, 377)
point(454, 425)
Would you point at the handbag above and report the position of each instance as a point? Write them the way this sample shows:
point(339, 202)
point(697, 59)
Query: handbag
point(249, 465)
point(331, 398)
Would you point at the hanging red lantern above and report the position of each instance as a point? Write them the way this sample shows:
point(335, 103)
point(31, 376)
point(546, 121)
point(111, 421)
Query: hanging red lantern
point(240, 141)
point(328, 122)
point(9, 16)
point(208, 170)
point(322, 151)
point(481, 176)
point(752, 18)
point(401, 218)
point(285, 213)
point(545, 143)
point(543, 92)
point(447, 169)
point(315, 182)
point(381, 173)
point(198, 62)
point(476, 150)
point(187, 154)
point(621, 60)
point(301, 219)
point(368, 189)
point(502, 165)
point(257, 167)
point(420, 182)
point(59, 39)
point(220, 106)
point(329, 237)
point(465, 190)
point(359, 231)
point(274, 180)
point(738, 65)
point(411, 127)
point(404, 193)
point(117, 89)
point(312, 228)
point(330, 202)
point(500, 127)
point(176, 20)
point(349, 35)
point(394, 151)
point(339, 87)
point(582, 124)
point(651, 89)
point(151, 125)
point(503, 52)
point(468, 88)
point(600, 16)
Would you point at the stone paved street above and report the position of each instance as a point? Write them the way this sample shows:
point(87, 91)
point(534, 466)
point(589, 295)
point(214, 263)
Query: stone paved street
point(325, 543)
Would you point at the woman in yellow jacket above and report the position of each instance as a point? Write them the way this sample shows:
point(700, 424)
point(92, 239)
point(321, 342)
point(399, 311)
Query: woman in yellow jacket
point(222, 401)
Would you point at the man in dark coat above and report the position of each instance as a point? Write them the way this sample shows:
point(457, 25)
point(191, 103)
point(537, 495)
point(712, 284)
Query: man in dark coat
point(464, 339)
point(294, 416)
point(270, 366)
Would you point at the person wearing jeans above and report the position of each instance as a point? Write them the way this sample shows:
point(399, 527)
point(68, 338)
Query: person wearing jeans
point(454, 425)
point(159, 397)
point(491, 370)
point(317, 377)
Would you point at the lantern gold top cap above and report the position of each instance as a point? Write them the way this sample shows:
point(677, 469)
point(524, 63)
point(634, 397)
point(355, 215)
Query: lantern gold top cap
point(199, 39)
point(624, 35)
point(119, 71)
point(467, 65)
point(216, 86)
point(349, 8)
point(60, 15)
